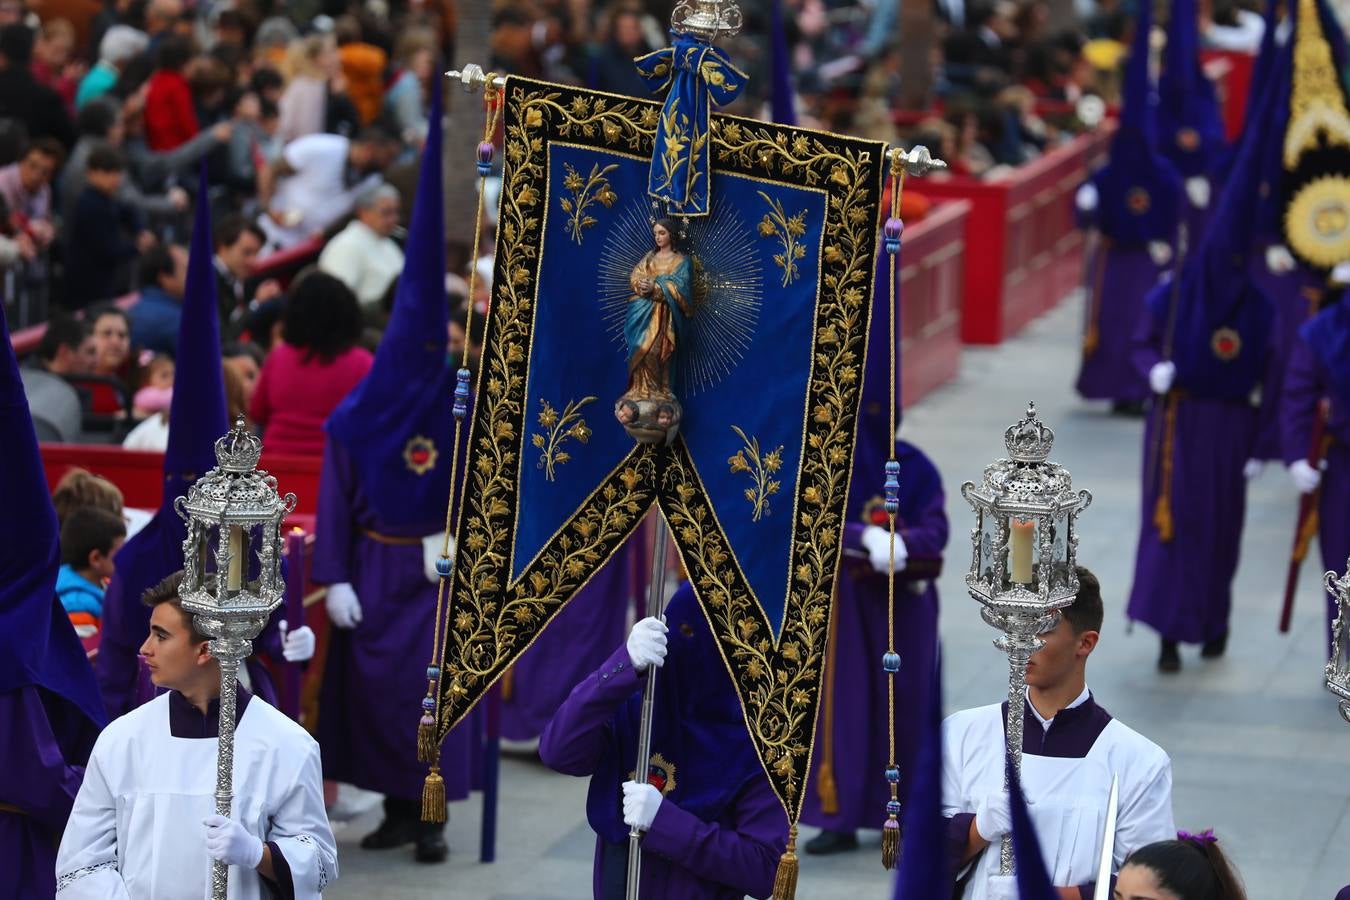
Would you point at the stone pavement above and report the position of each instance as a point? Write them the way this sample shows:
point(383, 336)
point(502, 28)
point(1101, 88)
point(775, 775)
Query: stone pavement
point(1258, 750)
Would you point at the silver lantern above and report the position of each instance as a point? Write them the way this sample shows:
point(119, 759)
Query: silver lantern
point(232, 577)
point(1024, 558)
point(1338, 667)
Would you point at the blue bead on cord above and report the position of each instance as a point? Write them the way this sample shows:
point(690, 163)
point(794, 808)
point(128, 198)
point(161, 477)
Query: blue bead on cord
point(892, 807)
point(461, 407)
point(443, 566)
point(892, 487)
point(890, 661)
point(890, 235)
point(433, 673)
point(893, 775)
point(485, 151)
point(429, 704)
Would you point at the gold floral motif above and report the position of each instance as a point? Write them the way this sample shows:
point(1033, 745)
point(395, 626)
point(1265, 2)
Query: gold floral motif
point(557, 429)
point(594, 188)
point(789, 232)
point(761, 469)
point(675, 125)
point(1316, 104)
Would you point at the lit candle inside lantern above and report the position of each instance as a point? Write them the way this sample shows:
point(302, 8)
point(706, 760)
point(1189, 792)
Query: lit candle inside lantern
point(234, 579)
point(1022, 531)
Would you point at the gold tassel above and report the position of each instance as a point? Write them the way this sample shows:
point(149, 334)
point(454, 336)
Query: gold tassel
point(1162, 519)
point(1090, 341)
point(785, 881)
point(427, 745)
point(1162, 510)
point(890, 843)
point(827, 789)
point(433, 797)
point(508, 684)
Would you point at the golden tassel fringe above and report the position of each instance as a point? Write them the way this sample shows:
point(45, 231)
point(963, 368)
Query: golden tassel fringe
point(1162, 519)
point(1091, 340)
point(890, 843)
point(433, 797)
point(509, 685)
point(827, 790)
point(785, 881)
point(1162, 510)
point(427, 745)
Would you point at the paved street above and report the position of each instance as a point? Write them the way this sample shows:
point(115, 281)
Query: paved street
point(1258, 750)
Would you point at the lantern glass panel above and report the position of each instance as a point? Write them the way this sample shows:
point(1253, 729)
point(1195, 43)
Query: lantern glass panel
point(1059, 550)
point(988, 541)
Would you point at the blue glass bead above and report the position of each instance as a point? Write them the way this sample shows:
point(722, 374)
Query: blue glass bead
point(893, 775)
point(443, 566)
point(429, 703)
point(890, 235)
point(485, 158)
point(892, 487)
point(890, 661)
point(461, 407)
point(893, 807)
point(433, 673)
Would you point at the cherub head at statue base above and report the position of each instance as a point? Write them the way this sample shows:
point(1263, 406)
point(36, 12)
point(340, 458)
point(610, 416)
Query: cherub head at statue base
point(655, 421)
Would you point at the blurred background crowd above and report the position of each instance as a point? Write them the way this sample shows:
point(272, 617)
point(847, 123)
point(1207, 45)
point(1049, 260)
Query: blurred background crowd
point(309, 117)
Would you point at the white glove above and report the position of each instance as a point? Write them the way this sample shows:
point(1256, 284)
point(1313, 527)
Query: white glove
point(647, 644)
point(1086, 199)
point(1159, 252)
point(298, 645)
point(431, 551)
point(993, 818)
point(1279, 260)
point(640, 803)
point(877, 541)
point(1001, 887)
point(1253, 468)
point(1160, 377)
point(1197, 189)
point(1340, 274)
point(343, 608)
point(1306, 477)
point(229, 842)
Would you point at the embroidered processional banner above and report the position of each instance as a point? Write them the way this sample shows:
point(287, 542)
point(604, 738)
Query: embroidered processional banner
point(707, 365)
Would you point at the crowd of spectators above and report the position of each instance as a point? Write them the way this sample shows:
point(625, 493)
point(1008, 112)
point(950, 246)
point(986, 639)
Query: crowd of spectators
point(308, 119)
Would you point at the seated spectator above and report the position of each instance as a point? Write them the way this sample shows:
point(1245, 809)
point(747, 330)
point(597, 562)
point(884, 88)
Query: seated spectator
point(316, 365)
point(363, 66)
point(22, 97)
point(406, 102)
point(66, 349)
point(170, 118)
point(67, 346)
point(979, 58)
point(362, 255)
point(316, 181)
point(151, 406)
point(54, 64)
point(80, 488)
point(245, 362)
point(237, 242)
point(310, 65)
point(90, 538)
point(26, 189)
point(159, 311)
point(106, 233)
point(112, 339)
point(120, 45)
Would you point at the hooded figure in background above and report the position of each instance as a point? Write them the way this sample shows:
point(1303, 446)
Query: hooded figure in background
point(1135, 203)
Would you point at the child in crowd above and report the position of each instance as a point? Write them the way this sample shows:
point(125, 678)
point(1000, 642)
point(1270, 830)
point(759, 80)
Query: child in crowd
point(79, 488)
point(151, 404)
point(90, 537)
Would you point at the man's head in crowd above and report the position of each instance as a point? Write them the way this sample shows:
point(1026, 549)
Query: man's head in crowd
point(39, 163)
point(16, 47)
point(67, 347)
point(55, 44)
point(165, 267)
point(120, 45)
point(238, 241)
point(378, 209)
point(162, 15)
point(105, 168)
point(1068, 644)
point(101, 118)
point(90, 538)
point(373, 150)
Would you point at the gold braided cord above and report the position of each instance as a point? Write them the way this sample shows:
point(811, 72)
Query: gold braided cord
point(1316, 104)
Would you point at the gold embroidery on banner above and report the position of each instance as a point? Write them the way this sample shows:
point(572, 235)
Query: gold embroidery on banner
point(789, 231)
point(1316, 104)
point(761, 469)
point(594, 188)
point(557, 429)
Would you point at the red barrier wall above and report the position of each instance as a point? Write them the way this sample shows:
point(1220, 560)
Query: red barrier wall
point(932, 278)
point(1023, 251)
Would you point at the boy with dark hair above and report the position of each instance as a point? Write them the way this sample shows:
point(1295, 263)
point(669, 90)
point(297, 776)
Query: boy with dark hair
point(1072, 748)
point(106, 234)
point(90, 537)
point(143, 821)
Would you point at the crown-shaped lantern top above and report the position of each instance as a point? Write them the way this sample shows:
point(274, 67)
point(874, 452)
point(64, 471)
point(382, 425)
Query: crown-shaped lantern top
point(706, 19)
point(1030, 440)
point(238, 450)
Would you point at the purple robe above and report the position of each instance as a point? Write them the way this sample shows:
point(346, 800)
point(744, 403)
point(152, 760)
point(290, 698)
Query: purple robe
point(1183, 588)
point(41, 737)
point(1295, 296)
point(1306, 382)
point(1122, 275)
point(374, 679)
point(573, 645)
point(859, 737)
point(684, 857)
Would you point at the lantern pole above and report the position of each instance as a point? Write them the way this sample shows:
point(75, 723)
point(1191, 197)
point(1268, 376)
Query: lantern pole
point(1018, 497)
point(1338, 667)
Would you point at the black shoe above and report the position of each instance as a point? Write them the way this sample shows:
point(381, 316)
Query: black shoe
point(828, 842)
point(1131, 408)
point(431, 846)
point(1169, 660)
point(1215, 648)
point(393, 832)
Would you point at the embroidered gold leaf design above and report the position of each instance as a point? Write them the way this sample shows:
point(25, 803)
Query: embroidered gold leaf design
point(557, 430)
point(761, 470)
point(789, 231)
point(594, 188)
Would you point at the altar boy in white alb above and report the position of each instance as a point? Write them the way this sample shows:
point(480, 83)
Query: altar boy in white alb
point(1071, 749)
point(143, 822)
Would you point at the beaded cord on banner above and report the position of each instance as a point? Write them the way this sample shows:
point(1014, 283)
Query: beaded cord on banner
point(428, 738)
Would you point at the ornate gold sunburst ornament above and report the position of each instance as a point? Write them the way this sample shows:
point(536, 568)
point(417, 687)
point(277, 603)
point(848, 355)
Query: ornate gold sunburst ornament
point(1317, 215)
point(1226, 344)
point(420, 454)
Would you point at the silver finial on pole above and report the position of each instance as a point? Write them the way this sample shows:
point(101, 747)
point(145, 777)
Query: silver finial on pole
point(706, 20)
point(1338, 666)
